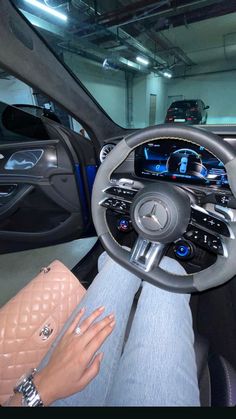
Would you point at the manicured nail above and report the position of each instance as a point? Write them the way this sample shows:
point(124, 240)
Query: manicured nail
point(111, 316)
point(101, 308)
point(112, 324)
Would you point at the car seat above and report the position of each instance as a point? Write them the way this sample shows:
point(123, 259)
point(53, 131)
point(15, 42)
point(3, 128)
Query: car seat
point(216, 376)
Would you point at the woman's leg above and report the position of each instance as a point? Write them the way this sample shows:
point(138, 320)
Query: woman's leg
point(158, 366)
point(115, 288)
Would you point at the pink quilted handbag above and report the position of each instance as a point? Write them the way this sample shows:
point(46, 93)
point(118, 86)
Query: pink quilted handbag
point(31, 320)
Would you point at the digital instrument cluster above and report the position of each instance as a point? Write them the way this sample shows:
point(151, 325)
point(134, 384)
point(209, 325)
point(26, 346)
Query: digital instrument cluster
point(180, 161)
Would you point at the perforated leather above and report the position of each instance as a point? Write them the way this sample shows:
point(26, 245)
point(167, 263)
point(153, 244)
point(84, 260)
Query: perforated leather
point(30, 322)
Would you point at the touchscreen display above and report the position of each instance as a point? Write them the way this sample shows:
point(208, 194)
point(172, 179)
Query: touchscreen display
point(182, 161)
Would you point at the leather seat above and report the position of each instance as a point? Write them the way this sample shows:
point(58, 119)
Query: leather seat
point(216, 377)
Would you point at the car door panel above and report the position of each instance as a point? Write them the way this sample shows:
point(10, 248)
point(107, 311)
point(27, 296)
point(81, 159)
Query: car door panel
point(43, 200)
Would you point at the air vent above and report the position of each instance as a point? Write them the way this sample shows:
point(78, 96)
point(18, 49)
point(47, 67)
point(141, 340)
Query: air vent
point(106, 149)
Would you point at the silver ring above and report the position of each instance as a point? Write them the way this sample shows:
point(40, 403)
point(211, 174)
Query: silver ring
point(78, 331)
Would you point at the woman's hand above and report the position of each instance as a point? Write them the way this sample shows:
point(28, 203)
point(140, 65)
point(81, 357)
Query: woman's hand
point(73, 365)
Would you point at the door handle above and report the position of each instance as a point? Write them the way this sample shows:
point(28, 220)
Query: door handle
point(7, 190)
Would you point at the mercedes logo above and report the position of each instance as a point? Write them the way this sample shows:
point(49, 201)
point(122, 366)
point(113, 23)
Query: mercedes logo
point(153, 215)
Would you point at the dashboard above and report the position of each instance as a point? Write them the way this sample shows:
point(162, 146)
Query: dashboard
point(176, 161)
point(135, 165)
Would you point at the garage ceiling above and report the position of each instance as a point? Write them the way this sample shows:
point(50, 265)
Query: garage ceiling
point(172, 34)
point(206, 41)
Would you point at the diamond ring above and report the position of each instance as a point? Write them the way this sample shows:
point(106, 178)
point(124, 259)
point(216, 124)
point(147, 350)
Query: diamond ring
point(78, 331)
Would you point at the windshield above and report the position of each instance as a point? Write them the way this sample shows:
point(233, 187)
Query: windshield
point(137, 58)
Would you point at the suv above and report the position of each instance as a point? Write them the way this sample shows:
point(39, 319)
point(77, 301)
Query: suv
point(188, 111)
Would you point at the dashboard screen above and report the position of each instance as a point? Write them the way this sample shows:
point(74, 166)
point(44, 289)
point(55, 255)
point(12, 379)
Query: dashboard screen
point(180, 161)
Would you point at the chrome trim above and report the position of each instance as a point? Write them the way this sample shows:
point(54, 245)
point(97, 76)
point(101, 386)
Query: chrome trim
point(105, 150)
point(124, 181)
point(114, 197)
point(4, 194)
point(228, 213)
point(198, 208)
point(151, 257)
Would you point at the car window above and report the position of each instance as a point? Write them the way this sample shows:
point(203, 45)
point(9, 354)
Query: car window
point(184, 104)
point(136, 58)
point(14, 92)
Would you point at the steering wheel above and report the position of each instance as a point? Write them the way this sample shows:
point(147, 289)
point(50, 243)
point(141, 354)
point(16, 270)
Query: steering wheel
point(162, 212)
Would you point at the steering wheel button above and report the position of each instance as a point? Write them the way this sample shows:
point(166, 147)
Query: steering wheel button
point(221, 228)
point(216, 246)
point(205, 240)
point(124, 225)
point(121, 192)
point(106, 203)
point(183, 250)
point(222, 199)
point(212, 223)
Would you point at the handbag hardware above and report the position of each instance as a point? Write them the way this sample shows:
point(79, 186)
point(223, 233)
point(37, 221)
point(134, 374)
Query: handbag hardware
point(46, 332)
point(45, 269)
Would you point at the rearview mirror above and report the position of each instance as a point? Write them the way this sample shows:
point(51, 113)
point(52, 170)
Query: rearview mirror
point(207, 107)
point(38, 111)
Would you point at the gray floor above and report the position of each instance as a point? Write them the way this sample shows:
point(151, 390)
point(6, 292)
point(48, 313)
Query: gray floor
point(17, 269)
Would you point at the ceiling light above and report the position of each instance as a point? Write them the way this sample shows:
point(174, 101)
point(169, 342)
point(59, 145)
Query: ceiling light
point(47, 9)
point(110, 64)
point(142, 60)
point(167, 73)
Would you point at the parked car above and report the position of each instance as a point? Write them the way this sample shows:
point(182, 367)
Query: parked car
point(192, 111)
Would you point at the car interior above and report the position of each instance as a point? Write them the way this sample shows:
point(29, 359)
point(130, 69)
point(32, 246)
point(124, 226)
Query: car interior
point(104, 162)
